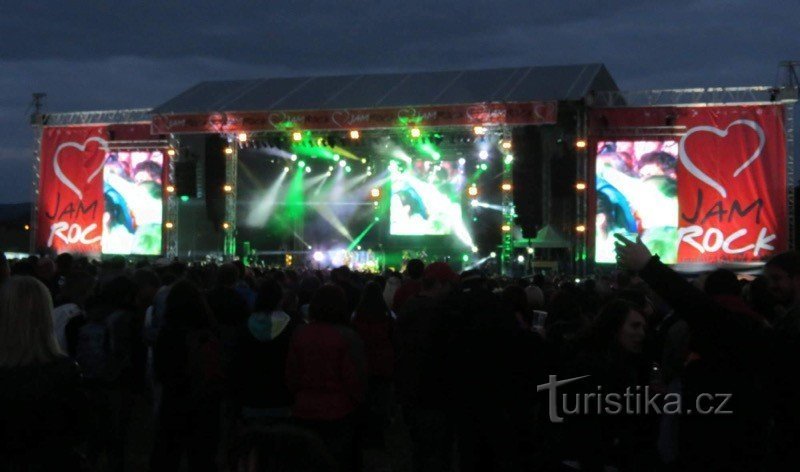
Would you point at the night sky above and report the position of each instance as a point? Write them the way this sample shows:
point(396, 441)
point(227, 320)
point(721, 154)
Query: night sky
point(105, 55)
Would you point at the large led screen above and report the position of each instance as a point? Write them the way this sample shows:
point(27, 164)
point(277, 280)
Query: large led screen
point(426, 199)
point(637, 196)
point(133, 203)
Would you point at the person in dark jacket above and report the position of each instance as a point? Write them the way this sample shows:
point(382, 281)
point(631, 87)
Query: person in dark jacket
point(326, 373)
point(187, 363)
point(728, 350)
point(258, 371)
point(43, 410)
point(374, 324)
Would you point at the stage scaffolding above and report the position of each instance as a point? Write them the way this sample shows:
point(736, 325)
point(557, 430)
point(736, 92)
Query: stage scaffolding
point(785, 95)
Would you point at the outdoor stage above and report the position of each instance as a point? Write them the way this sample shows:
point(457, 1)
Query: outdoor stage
point(508, 170)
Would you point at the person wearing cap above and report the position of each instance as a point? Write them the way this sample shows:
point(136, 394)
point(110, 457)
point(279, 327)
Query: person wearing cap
point(420, 373)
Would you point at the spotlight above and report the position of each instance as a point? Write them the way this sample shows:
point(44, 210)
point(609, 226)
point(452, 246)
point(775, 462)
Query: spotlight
point(415, 133)
point(228, 151)
point(297, 136)
point(580, 228)
point(506, 187)
point(492, 254)
point(170, 188)
point(462, 161)
point(505, 144)
point(354, 134)
point(375, 204)
point(465, 257)
point(227, 188)
point(294, 157)
point(169, 225)
point(479, 130)
point(301, 164)
point(242, 137)
point(318, 256)
point(171, 152)
point(336, 157)
point(520, 259)
point(226, 225)
point(483, 154)
point(475, 249)
point(530, 250)
point(484, 166)
point(474, 202)
point(375, 192)
point(308, 170)
point(348, 169)
point(506, 228)
point(580, 144)
point(580, 186)
point(330, 168)
point(184, 198)
point(342, 163)
point(286, 169)
point(472, 191)
point(509, 159)
point(363, 160)
point(27, 227)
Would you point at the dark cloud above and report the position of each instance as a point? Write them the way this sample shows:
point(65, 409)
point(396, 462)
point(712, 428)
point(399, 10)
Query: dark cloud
point(96, 55)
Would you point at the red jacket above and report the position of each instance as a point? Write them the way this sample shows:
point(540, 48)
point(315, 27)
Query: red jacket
point(325, 370)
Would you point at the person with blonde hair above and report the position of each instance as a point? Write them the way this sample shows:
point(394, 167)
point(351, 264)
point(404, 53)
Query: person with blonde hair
point(42, 407)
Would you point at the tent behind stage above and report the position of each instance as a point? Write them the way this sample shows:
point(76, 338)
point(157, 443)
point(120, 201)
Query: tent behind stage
point(547, 238)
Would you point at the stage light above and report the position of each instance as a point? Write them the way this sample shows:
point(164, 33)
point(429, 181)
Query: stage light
point(580, 186)
point(170, 188)
point(184, 198)
point(483, 154)
point(506, 228)
point(375, 204)
point(465, 257)
point(336, 157)
point(348, 169)
point(354, 134)
point(342, 163)
point(375, 192)
point(462, 161)
point(297, 136)
point(506, 187)
point(286, 169)
point(363, 160)
point(580, 144)
point(169, 225)
point(475, 249)
point(472, 191)
point(530, 250)
point(242, 137)
point(520, 259)
point(484, 166)
point(479, 130)
point(474, 202)
point(330, 168)
point(509, 159)
point(27, 227)
point(227, 188)
point(415, 132)
point(505, 144)
point(294, 157)
point(377, 218)
point(318, 256)
point(580, 228)
point(492, 254)
point(301, 164)
point(228, 151)
point(308, 170)
point(226, 225)
point(171, 152)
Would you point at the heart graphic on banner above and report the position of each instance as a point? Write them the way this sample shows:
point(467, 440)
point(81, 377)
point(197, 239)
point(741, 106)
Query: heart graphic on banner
point(341, 118)
point(70, 184)
point(722, 133)
point(277, 120)
point(407, 114)
point(476, 112)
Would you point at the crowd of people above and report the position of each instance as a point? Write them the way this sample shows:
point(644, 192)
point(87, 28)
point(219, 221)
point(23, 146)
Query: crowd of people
point(294, 370)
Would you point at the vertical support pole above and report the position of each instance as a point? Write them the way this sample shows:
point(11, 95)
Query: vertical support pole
point(581, 205)
point(231, 160)
point(171, 214)
point(35, 180)
point(509, 212)
point(788, 107)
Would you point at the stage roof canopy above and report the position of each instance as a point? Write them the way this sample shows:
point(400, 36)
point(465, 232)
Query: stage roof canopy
point(522, 84)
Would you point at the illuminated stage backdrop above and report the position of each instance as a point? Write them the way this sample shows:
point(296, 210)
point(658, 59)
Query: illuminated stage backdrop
point(724, 201)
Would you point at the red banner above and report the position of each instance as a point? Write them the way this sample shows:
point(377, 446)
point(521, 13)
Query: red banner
point(529, 113)
point(71, 201)
point(731, 176)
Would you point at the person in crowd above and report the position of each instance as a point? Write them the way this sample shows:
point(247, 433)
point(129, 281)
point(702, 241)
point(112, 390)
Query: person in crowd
point(43, 409)
point(420, 369)
point(76, 290)
point(283, 448)
point(258, 369)
point(188, 367)
point(5, 268)
point(727, 349)
point(326, 373)
point(374, 324)
point(411, 286)
point(393, 283)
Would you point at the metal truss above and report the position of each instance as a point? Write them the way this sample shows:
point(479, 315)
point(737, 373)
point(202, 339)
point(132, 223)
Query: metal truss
point(93, 117)
point(691, 97)
point(231, 161)
point(171, 206)
point(35, 176)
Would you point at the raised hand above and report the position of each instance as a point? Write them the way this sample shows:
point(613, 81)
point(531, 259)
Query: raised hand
point(631, 255)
